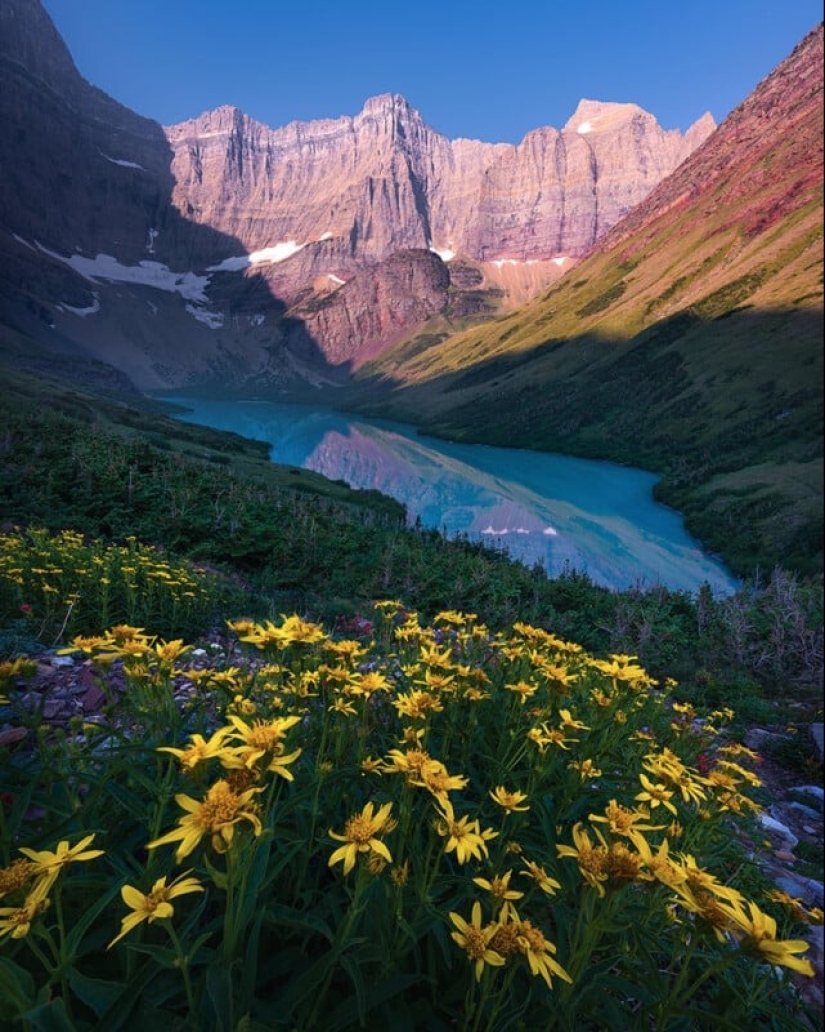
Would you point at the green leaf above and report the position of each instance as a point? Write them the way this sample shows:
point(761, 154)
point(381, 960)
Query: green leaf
point(96, 993)
point(285, 917)
point(345, 1014)
point(50, 1017)
point(121, 1009)
point(304, 984)
point(219, 991)
point(17, 989)
point(165, 957)
point(218, 877)
point(81, 925)
point(351, 969)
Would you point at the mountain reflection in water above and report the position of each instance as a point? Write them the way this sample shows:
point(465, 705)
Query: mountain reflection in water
point(560, 512)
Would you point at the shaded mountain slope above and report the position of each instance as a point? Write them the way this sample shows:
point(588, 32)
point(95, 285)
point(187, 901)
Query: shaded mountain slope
point(689, 340)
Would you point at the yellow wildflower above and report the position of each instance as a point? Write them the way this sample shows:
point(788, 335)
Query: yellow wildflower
point(510, 801)
point(261, 738)
point(361, 836)
point(16, 876)
point(655, 794)
point(216, 815)
point(435, 777)
point(499, 889)
point(417, 705)
point(622, 821)
point(585, 769)
point(154, 905)
point(539, 953)
point(464, 837)
point(199, 749)
point(16, 921)
point(592, 860)
point(49, 864)
point(522, 689)
point(475, 940)
point(540, 877)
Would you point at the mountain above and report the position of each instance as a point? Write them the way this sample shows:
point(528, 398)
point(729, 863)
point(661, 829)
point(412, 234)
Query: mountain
point(688, 340)
point(220, 251)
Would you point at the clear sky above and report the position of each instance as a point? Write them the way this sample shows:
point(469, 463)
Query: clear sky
point(489, 70)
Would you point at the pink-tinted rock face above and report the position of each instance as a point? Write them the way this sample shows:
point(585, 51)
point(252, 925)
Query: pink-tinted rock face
point(384, 181)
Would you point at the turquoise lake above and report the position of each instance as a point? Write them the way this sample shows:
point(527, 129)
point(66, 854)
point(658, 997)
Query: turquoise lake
point(563, 513)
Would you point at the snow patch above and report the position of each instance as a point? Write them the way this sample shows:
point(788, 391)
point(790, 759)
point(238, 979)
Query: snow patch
point(149, 274)
point(550, 532)
point(336, 279)
point(82, 312)
point(123, 164)
point(562, 258)
point(150, 244)
point(445, 254)
point(267, 255)
point(584, 127)
point(499, 262)
point(20, 240)
point(325, 236)
point(214, 320)
point(257, 320)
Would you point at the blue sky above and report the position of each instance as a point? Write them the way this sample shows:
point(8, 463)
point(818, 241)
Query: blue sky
point(490, 71)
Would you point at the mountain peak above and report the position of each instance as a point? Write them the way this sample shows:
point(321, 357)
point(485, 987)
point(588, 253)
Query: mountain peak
point(592, 116)
point(389, 105)
point(387, 102)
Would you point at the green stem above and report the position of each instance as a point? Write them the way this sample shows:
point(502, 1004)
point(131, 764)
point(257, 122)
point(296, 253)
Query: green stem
point(183, 965)
point(41, 956)
point(61, 932)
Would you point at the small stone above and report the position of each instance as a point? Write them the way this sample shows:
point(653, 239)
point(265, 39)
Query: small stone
point(770, 824)
point(61, 661)
point(757, 738)
point(93, 700)
point(812, 795)
point(804, 811)
point(10, 735)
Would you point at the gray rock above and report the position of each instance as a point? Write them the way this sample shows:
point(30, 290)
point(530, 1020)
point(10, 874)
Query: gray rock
point(809, 890)
point(61, 661)
point(757, 738)
point(804, 811)
point(771, 824)
point(812, 795)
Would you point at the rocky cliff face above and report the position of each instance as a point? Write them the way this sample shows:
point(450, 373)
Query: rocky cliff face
point(384, 181)
point(220, 249)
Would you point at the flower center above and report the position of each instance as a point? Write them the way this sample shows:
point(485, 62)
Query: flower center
point(474, 943)
point(359, 829)
point(219, 808)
